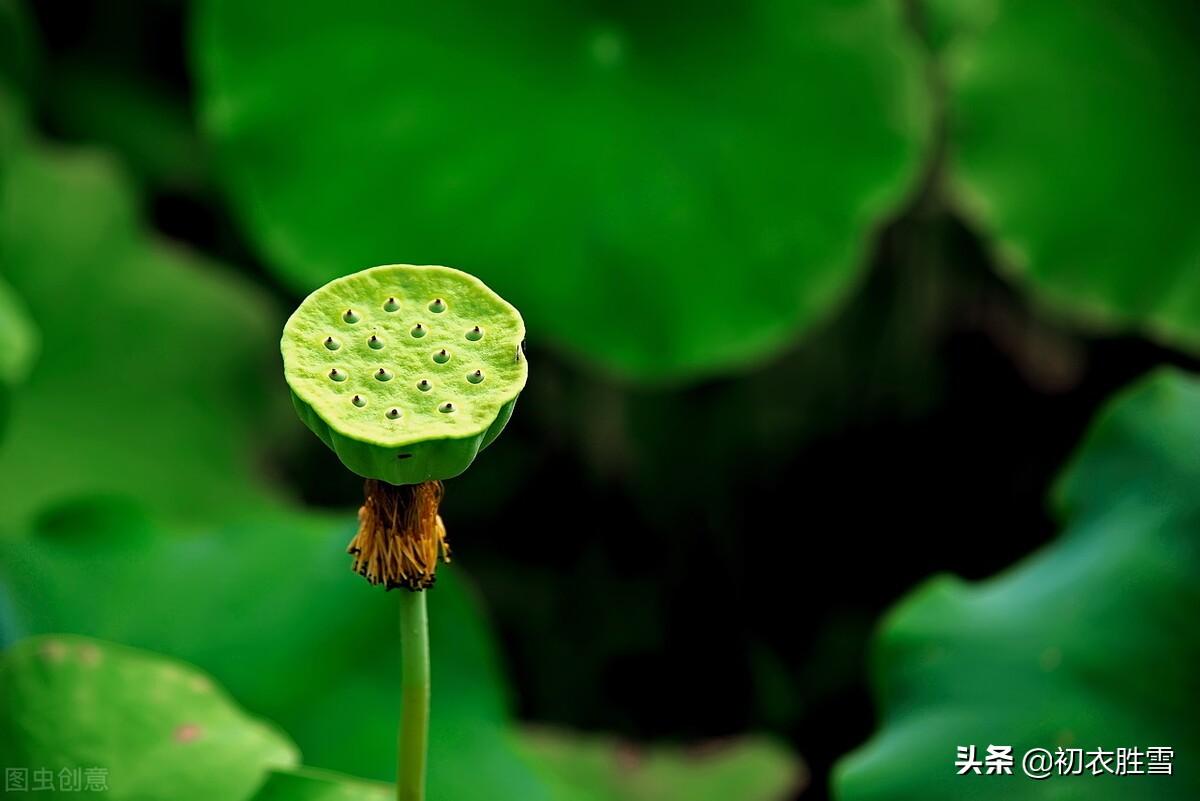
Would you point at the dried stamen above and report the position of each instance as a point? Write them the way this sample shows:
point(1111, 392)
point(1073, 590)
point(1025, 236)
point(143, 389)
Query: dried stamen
point(400, 535)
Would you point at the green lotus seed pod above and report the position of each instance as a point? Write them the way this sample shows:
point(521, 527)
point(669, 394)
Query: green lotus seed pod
point(405, 372)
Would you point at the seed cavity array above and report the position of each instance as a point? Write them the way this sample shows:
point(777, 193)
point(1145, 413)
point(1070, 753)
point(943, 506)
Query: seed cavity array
point(374, 342)
point(416, 360)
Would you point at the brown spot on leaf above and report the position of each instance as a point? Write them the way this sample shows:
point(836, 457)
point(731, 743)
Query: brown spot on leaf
point(188, 732)
point(53, 650)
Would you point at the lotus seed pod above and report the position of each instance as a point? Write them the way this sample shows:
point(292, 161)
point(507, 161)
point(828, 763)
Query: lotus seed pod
point(405, 372)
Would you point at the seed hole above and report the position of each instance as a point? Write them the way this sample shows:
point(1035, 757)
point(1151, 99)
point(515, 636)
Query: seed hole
point(375, 343)
point(383, 375)
point(442, 356)
point(390, 305)
point(475, 334)
point(392, 414)
point(438, 306)
point(446, 407)
point(403, 455)
point(475, 377)
point(337, 375)
point(350, 316)
point(424, 385)
point(359, 401)
point(332, 344)
point(418, 331)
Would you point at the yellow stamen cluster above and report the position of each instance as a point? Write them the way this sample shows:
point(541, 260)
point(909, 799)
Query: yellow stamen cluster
point(400, 535)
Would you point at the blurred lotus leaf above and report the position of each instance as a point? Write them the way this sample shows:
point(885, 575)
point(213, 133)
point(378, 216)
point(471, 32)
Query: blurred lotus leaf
point(18, 335)
point(155, 363)
point(18, 48)
point(663, 189)
point(1073, 146)
point(1090, 643)
point(85, 716)
point(305, 784)
point(286, 627)
point(145, 123)
point(596, 768)
point(18, 346)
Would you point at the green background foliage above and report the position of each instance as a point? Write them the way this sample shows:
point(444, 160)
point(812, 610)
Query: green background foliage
point(598, 172)
point(154, 728)
point(159, 357)
point(280, 575)
point(312, 785)
point(1088, 644)
point(780, 375)
point(601, 769)
point(1072, 141)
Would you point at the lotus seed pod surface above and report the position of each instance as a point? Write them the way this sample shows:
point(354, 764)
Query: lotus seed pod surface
point(406, 372)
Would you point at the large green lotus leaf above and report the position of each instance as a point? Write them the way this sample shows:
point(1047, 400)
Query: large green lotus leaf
point(157, 377)
point(663, 188)
point(1073, 146)
point(270, 606)
point(1091, 643)
point(145, 727)
point(305, 784)
point(597, 768)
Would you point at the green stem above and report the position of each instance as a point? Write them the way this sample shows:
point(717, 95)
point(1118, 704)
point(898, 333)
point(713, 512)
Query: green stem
point(414, 694)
